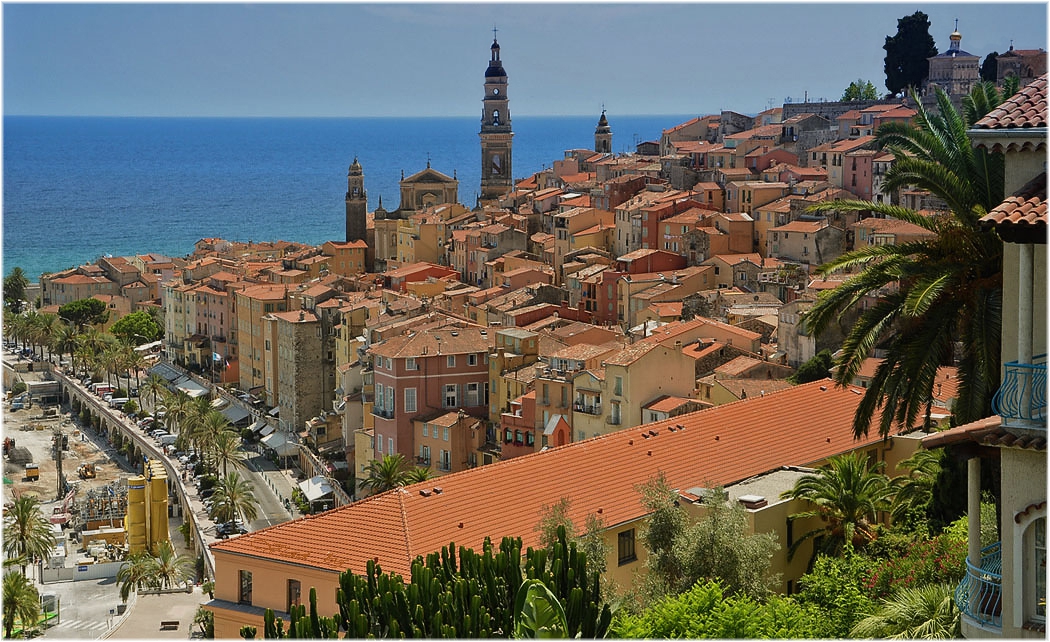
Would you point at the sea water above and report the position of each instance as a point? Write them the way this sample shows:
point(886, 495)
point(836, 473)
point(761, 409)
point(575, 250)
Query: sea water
point(79, 188)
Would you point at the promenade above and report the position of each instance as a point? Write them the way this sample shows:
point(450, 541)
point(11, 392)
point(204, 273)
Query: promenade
point(91, 609)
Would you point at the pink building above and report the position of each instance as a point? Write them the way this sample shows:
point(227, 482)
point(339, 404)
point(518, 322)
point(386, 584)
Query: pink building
point(420, 373)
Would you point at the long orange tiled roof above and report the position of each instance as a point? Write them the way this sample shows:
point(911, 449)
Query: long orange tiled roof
point(1025, 109)
point(1024, 211)
point(721, 445)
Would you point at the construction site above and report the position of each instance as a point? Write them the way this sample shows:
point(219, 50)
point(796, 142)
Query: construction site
point(100, 508)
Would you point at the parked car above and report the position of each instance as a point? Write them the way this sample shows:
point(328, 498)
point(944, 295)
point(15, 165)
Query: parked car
point(227, 529)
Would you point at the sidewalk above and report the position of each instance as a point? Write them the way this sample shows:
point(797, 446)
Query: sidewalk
point(143, 621)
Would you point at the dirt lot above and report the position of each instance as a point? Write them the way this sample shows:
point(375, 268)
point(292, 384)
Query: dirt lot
point(31, 430)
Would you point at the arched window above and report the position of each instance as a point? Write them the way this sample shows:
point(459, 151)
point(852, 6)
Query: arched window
point(495, 117)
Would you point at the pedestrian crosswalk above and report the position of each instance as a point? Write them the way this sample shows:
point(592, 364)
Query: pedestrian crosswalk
point(78, 625)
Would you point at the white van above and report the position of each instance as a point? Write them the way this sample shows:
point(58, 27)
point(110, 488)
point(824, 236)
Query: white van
point(167, 440)
point(118, 402)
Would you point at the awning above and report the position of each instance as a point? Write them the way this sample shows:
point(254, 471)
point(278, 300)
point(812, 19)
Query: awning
point(259, 425)
point(278, 442)
point(191, 387)
point(147, 347)
point(236, 414)
point(276, 410)
point(315, 488)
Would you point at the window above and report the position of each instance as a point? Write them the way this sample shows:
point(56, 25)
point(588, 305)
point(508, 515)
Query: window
point(410, 364)
point(390, 445)
point(614, 413)
point(294, 592)
point(426, 429)
point(444, 433)
point(390, 400)
point(618, 389)
point(450, 395)
point(450, 361)
point(245, 596)
point(379, 445)
point(410, 399)
point(1035, 583)
point(379, 396)
point(473, 398)
point(424, 454)
point(389, 364)
point(472, 359)
point(625, 547)
point(446, 460)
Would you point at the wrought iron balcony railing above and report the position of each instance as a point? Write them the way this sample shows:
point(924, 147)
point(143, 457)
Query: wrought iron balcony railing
point(1021, 399)
point(979, 595)
point(590, 409)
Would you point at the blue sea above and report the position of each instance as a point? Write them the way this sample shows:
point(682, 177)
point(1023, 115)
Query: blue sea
point(78, 188)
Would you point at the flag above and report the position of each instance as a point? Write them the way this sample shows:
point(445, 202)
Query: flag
point(215, 356)
point(227, 364)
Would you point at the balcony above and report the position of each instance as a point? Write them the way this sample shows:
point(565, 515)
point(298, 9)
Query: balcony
point(1021, 399)
point(979, 595)
point(422, 461)
point(590, 409)
point(383, 413)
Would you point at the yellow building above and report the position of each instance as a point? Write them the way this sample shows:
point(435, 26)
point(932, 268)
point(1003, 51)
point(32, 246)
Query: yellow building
point(269, 568)
point(253, 303)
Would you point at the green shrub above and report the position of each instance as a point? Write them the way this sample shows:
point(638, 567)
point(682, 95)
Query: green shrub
point(941, 559)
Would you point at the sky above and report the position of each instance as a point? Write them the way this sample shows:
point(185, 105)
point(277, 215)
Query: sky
point(399, 59)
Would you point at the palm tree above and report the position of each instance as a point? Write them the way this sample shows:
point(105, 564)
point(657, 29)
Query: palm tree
point(26, 532)
point(233, 498)
point(385, 474)
point(847, 496)
point(172, 569)
point(204, 426)
point(915, 490)
point(226, 447)
point(177, 406)
point(153, 386)
point(65, 342)
point(925, 612)
point(942, 296)
point(21, 602)
point(138, 571)
point(985, 97)
point(418, 474)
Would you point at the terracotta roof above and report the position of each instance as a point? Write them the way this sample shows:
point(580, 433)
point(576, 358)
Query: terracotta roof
point(989, 432)
point(738, 365)
point(716, 446)
point(668, 403)
point(436, 342)
point(802, 226)
point(1024, 211)
point(1025, 109)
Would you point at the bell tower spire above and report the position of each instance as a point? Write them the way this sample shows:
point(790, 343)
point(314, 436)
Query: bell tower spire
point(496, 134)
point(356, 203)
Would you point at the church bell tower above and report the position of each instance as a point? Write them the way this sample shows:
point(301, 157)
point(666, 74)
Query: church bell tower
point(356, 203)
point(496, 135)
point(603, 135)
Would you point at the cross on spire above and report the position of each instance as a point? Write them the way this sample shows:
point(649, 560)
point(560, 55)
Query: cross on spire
point(956, 24)
point(494, 32)
point(428, 160)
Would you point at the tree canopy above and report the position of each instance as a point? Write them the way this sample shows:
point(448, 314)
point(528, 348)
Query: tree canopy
point(860, 89)
point(84, 312)
point(137, 328)
point(907, 52)
point(15, 285)
point(990, 67)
